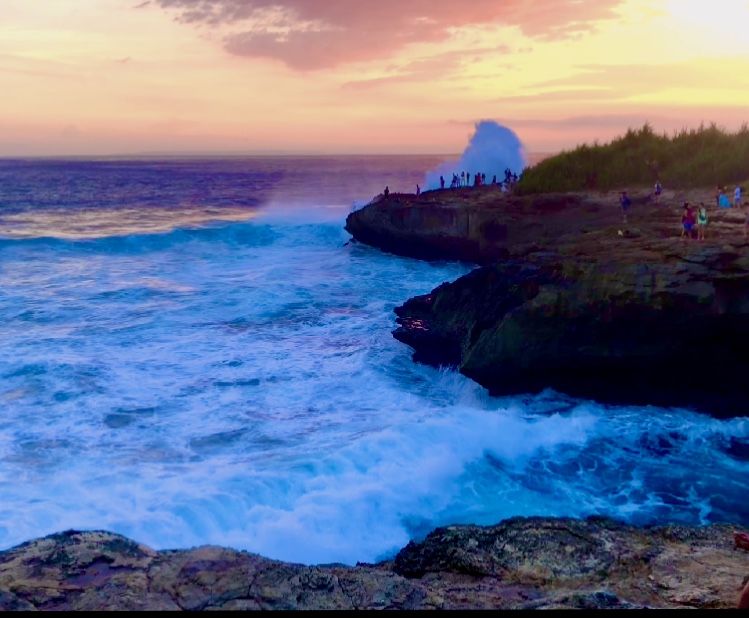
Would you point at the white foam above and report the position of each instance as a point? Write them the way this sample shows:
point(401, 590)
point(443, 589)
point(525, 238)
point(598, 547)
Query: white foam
point(241, 387)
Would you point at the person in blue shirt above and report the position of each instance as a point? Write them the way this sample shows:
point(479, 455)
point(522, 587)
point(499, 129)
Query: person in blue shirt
point(625, 203)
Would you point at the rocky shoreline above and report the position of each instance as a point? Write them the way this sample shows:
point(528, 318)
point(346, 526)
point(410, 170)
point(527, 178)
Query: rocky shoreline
point(566, 296)
point(521, 563)
point(570, 297)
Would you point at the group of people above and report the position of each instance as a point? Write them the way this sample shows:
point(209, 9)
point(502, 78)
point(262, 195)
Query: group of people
point(464, 179)
point(479, 180)
point(692, 221)
point(721, 199)
point(689, 221)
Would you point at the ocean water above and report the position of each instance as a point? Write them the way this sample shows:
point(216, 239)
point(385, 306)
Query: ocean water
point(192, 353)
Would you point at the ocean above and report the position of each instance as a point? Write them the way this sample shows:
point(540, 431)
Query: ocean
point(192, 352)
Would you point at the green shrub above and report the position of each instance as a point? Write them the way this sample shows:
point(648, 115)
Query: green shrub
point(705, 156)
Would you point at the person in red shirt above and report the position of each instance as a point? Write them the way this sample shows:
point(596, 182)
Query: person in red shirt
point(687, 222)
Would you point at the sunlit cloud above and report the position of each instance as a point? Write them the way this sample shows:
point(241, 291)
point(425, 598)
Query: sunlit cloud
point(319, 34)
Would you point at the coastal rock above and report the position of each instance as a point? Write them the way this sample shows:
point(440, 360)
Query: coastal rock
point(477, 225)
point(661, 334)
point(521, 563)
point(573, 299)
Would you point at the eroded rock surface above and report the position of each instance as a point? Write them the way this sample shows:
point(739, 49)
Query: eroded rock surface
point(572, 298)
point(520, 563)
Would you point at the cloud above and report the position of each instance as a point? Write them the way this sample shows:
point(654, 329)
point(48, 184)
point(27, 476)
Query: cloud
point(319, 34)
point(438, 66)
point(637, 79)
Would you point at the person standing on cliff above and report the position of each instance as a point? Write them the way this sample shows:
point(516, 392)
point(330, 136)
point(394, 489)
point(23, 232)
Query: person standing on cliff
point(386, 192)
point(625, 203)
point(442, 182)
point(658, 191)
point(701, 222)
point(418, 190)
point(462, 179)
point(737, 197)
point(687, 222)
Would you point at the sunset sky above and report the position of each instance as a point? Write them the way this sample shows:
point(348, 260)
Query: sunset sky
point(360, 76)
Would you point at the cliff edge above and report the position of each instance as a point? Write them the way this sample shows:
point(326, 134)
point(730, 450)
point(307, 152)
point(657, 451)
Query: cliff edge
point(571, 297)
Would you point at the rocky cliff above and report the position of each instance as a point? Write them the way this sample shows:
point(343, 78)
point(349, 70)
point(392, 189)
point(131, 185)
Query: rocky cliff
point(573, 298)
point(529, 563)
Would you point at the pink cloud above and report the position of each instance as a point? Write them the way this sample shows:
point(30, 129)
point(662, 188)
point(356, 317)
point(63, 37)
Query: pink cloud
point(318, 34)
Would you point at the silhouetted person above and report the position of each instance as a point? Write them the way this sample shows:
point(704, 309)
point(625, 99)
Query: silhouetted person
point(483, 179)
point(386, 192)
point(418, 190)
point(462, 178)
point(442, 183)
point(494, 179)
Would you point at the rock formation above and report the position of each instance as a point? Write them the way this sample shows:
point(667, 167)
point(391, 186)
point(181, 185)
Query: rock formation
point(571, 298)
point(528, 563)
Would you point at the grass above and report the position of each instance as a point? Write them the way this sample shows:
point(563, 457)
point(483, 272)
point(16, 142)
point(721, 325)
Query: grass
point(703, 157)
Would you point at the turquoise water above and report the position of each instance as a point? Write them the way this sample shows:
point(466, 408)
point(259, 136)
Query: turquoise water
point(186, 363)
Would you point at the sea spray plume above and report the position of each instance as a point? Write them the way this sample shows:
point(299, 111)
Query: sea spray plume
point(492, 149)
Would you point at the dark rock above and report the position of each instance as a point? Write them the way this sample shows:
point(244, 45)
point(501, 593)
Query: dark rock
point(568, 298)
point(615, 332)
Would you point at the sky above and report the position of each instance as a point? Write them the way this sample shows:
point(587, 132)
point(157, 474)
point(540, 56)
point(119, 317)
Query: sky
point(108, 77)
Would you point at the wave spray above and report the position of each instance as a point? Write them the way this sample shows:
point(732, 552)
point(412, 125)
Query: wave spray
point(492, 149)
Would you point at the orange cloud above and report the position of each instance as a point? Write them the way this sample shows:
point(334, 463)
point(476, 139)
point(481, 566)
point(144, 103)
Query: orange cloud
point(319, 34)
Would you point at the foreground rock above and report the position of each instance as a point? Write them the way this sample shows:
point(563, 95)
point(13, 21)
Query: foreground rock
point(520, 563)
point(573, 299)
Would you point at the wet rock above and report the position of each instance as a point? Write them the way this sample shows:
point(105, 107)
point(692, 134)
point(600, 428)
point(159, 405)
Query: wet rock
point(668, 334)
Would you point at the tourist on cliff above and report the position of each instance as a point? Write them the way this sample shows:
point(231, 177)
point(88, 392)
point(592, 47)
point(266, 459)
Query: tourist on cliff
point(386, 192)
point(418, 190)
point(625, 203)
point(494, 179)
point(701, 222)
point(658, 191)
point(687, 222)
point(462, 179)
point(723, 201)
point(737, 197)
point(442, 182)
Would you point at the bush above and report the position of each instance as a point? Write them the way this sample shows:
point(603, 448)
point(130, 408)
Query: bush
point(705, 156)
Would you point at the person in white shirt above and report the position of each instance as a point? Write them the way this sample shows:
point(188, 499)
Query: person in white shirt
point(737, 197)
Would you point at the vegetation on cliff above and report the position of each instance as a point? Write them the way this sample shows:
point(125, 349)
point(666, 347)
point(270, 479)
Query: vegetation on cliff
point(706, 156)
